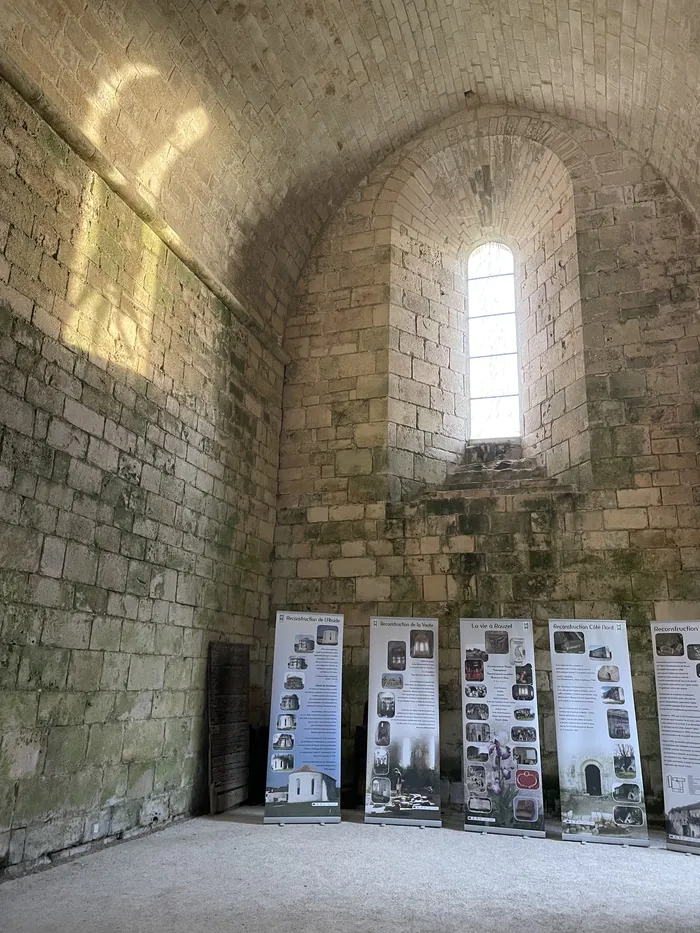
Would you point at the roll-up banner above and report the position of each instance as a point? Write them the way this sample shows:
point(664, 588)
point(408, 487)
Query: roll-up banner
point(403, 737)
point(500, 728)
point(676, 647)
point(600, 778)
point(303, 761)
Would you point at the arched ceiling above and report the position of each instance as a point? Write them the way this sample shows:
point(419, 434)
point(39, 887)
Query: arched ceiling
point(248, 120)
point(482, 188)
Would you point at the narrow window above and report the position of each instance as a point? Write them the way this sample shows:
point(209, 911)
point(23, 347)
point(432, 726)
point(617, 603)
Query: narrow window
point(313, 786)
point(494, 394)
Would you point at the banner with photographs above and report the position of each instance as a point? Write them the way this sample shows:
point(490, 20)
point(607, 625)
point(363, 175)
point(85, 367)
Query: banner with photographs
point(303, 762)
point(500, 728)
point(403, 728)
point(676, 648)
point(602, 794)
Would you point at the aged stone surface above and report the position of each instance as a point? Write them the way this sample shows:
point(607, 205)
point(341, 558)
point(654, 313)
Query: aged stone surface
point(333, 165)
point(246, 124)
point(138, 452)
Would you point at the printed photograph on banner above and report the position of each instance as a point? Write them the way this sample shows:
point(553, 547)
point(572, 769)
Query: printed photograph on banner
point(601, 789)
point(403, 767)
point(676, 648)
point(502, 778)
point(303, 769)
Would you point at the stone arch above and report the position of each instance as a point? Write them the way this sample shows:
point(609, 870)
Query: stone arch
point(632, 246)
point(495, 178)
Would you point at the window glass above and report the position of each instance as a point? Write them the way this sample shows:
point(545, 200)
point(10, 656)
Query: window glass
point(494, 398)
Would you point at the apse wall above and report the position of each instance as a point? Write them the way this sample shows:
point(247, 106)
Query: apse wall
point(489, 187)
point(620, 539)
point(138, 466)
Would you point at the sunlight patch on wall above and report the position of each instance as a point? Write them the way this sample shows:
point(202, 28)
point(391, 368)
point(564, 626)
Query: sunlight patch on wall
point(113, 292)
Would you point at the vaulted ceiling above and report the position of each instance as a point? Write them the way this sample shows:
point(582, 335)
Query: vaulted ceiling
point(247, 122)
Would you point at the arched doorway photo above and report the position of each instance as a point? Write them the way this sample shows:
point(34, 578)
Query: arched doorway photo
point(594, 785)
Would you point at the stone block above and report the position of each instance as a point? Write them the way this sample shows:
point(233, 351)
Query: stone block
point(66, 630)
point(80, 565)
point(105, 743)
point(85, 670)
point(18, 710)
point(310, 569)
point(52, 837)
point(66, 749)
point(112, 571)
point(154, 810)
point(20, 548)
point(353, 462)
point(373, 589)
point(146, 672)
point(353, 567)
point(140, 783)
point(143, 740)
point(83, 417)
point(106, 634)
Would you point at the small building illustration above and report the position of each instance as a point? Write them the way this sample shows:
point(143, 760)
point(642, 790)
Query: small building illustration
point(307, 785)
point(684, 821)
point(304, 644)
point(327, 635)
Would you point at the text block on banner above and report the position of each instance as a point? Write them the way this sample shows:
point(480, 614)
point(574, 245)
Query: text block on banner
point(676, 647)
point(303, 761)
point(600, 776)
point(500, 727)
point(403, 723)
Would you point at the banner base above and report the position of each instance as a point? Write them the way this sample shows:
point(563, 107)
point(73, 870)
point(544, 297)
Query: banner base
point(604, 840)
point(280, 820)
point(392, 822)
point(679, 847)
point(504, 831)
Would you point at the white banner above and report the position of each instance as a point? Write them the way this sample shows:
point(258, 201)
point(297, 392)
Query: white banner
point(303, 762)
point(500, 728)
point(403, 733)
point(676, 647)
point(600, 777)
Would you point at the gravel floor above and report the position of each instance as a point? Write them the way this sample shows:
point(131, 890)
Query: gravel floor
point(234, 874)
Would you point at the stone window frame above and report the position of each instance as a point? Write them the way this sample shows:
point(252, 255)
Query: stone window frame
point(464, 254)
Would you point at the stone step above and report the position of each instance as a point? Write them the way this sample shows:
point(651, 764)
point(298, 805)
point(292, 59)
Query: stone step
point(481, 492)
point(524, 469)
point(492, 451)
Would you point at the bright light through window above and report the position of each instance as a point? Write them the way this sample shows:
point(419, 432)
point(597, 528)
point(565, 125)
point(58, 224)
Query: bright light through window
point(494, 399)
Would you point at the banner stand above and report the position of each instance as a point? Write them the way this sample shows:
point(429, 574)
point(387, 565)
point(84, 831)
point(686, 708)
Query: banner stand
point(403, 744)
point(401, 822)
point(500, 831)
point(303, 762)
point(283, 820)
point(502, 767)
point(600, 780)
point(676, 650)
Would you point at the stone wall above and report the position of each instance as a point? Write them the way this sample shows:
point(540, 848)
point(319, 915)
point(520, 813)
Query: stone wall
point(610, 310)
point(138, 454)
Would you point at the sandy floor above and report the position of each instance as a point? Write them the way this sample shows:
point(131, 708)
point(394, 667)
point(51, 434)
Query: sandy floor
point(234, 874)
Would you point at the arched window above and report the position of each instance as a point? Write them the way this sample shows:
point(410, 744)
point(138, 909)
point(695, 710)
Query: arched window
point(494, 391)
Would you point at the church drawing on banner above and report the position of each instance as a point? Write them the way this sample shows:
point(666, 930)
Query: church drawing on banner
point(305, 785)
